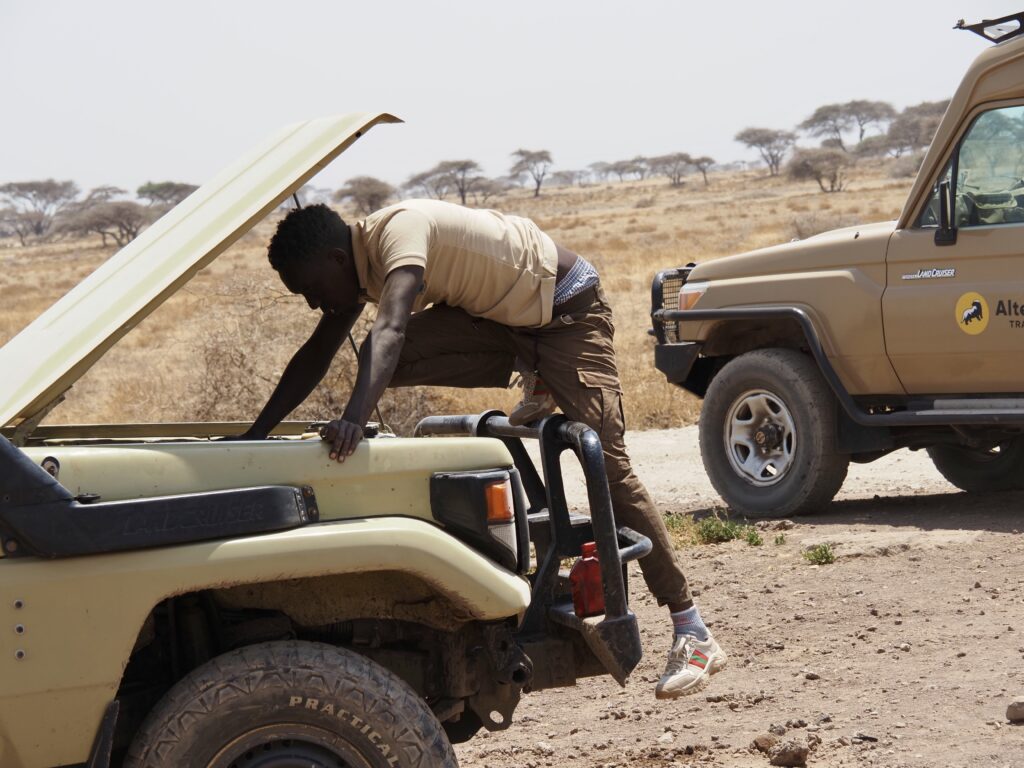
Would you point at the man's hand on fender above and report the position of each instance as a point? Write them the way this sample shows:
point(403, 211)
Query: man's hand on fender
point(342, 437)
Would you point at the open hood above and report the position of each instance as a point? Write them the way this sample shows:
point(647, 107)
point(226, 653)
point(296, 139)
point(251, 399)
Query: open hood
point(39, 364)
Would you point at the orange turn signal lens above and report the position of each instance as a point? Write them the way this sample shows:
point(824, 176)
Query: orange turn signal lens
point(691, 293)
point(499, 502)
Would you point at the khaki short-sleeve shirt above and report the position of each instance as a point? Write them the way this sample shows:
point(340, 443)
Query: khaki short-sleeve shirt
point(490, 264)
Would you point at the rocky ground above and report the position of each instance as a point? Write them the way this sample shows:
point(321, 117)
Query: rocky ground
point(904, 652)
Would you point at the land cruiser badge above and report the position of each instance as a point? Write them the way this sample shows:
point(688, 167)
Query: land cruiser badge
point(930, 274)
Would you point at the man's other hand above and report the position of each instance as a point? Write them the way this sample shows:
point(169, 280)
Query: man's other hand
point(342, 437)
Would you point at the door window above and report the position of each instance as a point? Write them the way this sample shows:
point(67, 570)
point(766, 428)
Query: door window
point(990, 173)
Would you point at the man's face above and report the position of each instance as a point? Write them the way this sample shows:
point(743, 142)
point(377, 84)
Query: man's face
point(323, 282)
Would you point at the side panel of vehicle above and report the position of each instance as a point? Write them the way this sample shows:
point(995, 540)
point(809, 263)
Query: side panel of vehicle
point(384, 477)
point(837, 278)
point(74, 622)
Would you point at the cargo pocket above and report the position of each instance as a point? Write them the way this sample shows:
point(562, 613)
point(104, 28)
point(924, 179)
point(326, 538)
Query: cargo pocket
point(599, 402)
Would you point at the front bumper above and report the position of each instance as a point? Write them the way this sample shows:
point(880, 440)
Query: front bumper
point(676, 360)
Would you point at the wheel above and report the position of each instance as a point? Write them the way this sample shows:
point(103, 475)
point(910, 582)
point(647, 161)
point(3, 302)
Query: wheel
point(975, 470)
point(288, 704)
point(767, 435)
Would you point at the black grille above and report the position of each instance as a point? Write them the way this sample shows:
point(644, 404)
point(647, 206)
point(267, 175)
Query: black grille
point(665, 295)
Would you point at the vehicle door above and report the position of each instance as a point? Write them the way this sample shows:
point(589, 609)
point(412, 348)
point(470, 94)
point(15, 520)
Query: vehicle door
point(953, 314)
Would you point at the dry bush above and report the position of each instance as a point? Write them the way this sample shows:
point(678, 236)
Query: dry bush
point(906, 167)
point(815, 223)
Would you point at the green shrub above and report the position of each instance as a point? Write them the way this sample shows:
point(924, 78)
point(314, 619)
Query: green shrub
point(717, 530)
point(820, 554)
point(780, 539)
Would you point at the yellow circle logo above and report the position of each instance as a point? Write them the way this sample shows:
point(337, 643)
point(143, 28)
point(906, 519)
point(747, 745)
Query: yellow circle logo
point(972, 313)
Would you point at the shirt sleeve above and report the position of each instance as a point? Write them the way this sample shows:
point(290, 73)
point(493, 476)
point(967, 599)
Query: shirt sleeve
point(405, 241)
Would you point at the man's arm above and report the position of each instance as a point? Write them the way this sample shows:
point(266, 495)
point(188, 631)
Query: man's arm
point(307, 367)
point(378, 358)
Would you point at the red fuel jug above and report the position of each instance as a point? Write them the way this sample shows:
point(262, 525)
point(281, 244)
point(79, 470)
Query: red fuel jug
point(587, 589)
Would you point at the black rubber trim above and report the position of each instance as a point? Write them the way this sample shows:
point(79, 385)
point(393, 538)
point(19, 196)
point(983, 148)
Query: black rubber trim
point(856, 413)
point(103, 745)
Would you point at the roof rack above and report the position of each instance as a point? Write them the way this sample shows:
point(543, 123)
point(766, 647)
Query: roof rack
point(996, 30)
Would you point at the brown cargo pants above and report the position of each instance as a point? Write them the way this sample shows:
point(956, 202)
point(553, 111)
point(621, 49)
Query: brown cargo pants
point(446, 346)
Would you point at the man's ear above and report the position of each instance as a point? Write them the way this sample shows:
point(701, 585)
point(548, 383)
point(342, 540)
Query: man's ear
point(342, 256)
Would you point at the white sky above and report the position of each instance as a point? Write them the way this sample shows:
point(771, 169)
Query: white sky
point(119, 92)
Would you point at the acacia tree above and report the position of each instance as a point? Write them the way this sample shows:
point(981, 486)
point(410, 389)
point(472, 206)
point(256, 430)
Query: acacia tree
point(429, 184)
point(600, 170)
point(822, 165)
point(462, 174)
point(623, 168)
point(829, 121)
point(121, 220)
point(770, 143)
point(166, 193)
point(534, 163)
point(569, 178)
point(673, 166)
point(865, 113)
point(915, 126)
point(35, 204)
point(702, 164)
point(367, 193)
point(484, 189)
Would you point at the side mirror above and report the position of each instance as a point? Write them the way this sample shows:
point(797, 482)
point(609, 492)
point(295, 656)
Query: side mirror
point(946, 233)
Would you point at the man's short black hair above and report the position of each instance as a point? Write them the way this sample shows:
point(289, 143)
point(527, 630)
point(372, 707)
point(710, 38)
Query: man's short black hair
point(305, 232)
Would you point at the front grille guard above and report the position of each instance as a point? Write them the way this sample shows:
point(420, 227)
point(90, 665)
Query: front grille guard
point(665, 295)
point(615, 638)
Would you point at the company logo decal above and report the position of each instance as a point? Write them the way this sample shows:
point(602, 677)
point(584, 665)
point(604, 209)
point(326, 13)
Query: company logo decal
point(972, 313)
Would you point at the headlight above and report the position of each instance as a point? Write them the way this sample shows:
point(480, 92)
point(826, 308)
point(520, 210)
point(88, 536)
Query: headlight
point(487, 510)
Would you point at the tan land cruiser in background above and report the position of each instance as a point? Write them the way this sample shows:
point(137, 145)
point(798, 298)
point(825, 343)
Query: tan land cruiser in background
point(167, 601)
point(851, 344)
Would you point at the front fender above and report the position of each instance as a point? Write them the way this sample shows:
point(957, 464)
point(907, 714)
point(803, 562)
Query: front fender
point(81, 616)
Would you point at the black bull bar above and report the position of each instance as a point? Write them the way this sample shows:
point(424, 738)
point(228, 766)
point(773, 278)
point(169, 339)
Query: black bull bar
point(614, 638)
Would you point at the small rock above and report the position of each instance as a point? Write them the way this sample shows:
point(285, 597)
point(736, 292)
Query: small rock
point(765, 741)
point(667, 738)
point(790, 753)
point(864, 737)
point(778, 730)
point(776, 646)
point(1015, 712)
point(544, 749)
point(812, 676)
point(904, 647)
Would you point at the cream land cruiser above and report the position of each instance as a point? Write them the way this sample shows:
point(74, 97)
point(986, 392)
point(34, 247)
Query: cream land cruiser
point(171, 602)
point(854, 343)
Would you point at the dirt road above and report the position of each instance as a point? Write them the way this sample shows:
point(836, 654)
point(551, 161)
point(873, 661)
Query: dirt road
point(904, 652)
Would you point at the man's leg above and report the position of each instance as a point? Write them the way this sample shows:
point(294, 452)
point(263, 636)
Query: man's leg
point(445, 346)
point(575, 357)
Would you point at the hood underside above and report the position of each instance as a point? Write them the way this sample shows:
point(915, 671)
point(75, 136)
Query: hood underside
point(46, 358)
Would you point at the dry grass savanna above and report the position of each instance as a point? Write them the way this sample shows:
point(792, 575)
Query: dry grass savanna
point(215, 350)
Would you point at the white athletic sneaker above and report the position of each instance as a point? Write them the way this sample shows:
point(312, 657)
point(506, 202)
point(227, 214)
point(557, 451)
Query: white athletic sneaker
point(536, 403)
point(690, 666)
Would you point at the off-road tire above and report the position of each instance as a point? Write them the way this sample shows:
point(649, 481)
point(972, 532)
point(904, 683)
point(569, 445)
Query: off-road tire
point(977, 471)
point(816, 469)
point(298, 701)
